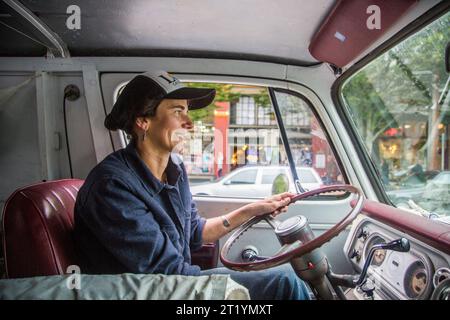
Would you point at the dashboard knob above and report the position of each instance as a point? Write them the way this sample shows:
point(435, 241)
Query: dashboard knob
point(363, 234)
point(249, 254)
point(368, 288)
point(401, 245)
point(355, 254)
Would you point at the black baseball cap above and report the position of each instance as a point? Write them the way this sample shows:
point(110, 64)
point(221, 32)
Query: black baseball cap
point(153, 86)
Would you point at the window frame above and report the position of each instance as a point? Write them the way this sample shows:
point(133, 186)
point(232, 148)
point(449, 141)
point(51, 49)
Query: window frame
point(292, 166)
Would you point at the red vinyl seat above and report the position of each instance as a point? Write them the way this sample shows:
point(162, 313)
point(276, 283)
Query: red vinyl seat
point(37, 225)
point(37, 231)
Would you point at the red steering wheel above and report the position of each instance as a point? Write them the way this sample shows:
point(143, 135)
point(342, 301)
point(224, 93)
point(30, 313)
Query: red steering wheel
point(297, 248)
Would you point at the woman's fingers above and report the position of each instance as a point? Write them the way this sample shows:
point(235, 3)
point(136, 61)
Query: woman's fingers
point(281, 196)
point(275, 204)
point(280, 203)
point(287, 194)
point(279, 210)
point(280, 206)
point(285, 201)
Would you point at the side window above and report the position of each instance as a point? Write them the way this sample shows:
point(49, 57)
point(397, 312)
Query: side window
point(237, 131)
point(244, 177)
point(308, 176)
point(240, 130)
point(314, 159)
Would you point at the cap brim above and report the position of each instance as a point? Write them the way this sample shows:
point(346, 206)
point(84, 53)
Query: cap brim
point(198, 97)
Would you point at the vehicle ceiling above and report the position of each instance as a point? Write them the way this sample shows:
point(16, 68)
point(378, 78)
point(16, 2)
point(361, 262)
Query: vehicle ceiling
point(256, 30)
point(202, 28)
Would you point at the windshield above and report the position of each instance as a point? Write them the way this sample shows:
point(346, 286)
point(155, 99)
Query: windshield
point(399, 104)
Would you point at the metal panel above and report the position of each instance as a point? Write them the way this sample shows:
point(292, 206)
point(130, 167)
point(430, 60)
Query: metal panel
point(96, 111)
point(20, 163)
point(49, 137)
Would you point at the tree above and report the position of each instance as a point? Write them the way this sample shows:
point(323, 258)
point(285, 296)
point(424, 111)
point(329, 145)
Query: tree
point(368, 110)
point(224, 92)
point(409, 79)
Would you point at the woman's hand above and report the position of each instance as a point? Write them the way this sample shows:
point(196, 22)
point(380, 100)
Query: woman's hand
point(214, 228)
point(276, 204)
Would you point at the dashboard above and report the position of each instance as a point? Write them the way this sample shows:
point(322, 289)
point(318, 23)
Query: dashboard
point(395, 275)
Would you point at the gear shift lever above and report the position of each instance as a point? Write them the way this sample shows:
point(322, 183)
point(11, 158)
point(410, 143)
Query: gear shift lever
point(353, 281)
point(401, 245)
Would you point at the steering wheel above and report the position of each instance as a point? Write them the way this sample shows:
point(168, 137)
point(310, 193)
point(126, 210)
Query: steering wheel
point(297, 248)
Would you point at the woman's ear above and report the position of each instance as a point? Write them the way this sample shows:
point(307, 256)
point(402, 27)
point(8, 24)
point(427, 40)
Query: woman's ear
point(142, 123)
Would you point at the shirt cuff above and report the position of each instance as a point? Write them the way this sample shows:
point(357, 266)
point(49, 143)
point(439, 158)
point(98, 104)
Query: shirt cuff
point(197, 239)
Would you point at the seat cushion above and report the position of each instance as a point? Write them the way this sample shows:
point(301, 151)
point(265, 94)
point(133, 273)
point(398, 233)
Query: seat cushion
point(37, 225)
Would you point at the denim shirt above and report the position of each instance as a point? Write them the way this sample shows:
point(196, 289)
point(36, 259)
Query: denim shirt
point(126, 220)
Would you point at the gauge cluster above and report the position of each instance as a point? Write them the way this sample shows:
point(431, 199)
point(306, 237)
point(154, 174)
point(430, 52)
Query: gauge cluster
point(397, 275)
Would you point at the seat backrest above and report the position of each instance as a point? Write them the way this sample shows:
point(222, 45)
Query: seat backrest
point(37, 229)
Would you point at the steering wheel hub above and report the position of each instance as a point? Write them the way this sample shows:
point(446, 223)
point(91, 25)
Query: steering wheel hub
point(293, 229)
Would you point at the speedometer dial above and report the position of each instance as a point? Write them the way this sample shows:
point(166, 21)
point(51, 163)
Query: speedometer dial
point(416, 280)
point(378, 257)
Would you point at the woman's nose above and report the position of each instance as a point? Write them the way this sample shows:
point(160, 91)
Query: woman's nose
point(188, 125)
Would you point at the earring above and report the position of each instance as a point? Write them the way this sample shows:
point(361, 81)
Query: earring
point(144, 135)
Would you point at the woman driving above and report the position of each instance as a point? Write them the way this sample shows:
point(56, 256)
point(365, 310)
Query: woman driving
point(135, 212)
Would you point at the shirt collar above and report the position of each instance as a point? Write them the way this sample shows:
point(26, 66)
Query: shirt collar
point(153, 185)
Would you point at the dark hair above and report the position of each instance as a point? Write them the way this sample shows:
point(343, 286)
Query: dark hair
point(139, 98)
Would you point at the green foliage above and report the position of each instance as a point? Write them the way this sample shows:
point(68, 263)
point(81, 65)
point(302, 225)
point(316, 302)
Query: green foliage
point(405, 79)
point(223, 93)
point(262, 99)
point(205, 114)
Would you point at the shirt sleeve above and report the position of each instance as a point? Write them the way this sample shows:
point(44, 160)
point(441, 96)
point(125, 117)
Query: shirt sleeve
point(126, 228)
point(197, 225)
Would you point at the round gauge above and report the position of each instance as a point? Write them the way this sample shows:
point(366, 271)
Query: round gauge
point(380, 254)
point(416, 280)
point(440, 275)
point(378, 257)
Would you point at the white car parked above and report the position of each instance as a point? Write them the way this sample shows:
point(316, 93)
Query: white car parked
point(256, 182)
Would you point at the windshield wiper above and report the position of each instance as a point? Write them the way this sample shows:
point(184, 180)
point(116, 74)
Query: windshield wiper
point(425, 213)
